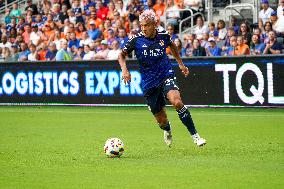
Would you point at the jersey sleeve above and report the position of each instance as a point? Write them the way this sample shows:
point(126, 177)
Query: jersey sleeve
point(168, 37)
point(129, 46)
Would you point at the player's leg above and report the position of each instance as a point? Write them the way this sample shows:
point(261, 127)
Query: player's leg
point(164, 124)
point(156, 103)
point(184, 115)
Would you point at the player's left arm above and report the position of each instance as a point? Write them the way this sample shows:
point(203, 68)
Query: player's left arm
point(176, 55)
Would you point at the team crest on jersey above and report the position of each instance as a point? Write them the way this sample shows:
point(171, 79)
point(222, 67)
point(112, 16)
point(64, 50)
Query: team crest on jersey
point(162, 43)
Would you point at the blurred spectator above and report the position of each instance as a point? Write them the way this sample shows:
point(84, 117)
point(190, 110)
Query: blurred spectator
point(121, 8)
point(31, 7)
point(189, 44)
point(93, 32)
point(79, 53)
point(280, 9)
point(242, 48)
point(12, 35)
point(95, 19)
point(200, 28)
point(102, 11)
point(73, 41)
point(42, 51)
point(135, 28)
point(47, 34)
point(4, 42)
point(77, 11)
point(12, 24)
point(102, 54)
point(27, 33)
point(122, 37)
point(197, 49)
point(256, 46)
point(195, 6)
point(230, 33)
point(222, 31)
point(97, 45)
point(114, 52)
point(267, 29)
point(279, 25)
point(6, 54)
point(19, 40)
point(85, 39)
point(212, 31)
point(79, 29)
point(14, 53)
point(23, 55)
point(7, 18)
point(272, 46)
point(231, 50)
point(111, 10)
point(35, 35)
point(133, 10)
point(273, 19)
point(33, 55)
point(56, 13)
point(63, 14)
point(173, 36)
point(258, 32)
point(204, 42)
point(264, 13)
point(245, 32)
point(71, 16)
point(179, 46)
point(172, 13)
point(233, 23)
point(21, 23)
point(57, 38)
point(159, 8)
point(63, 54)
point(213, 49)
point(66, 2)
point(110, 37)
point(88, 53)
point(15, 12)
point(38, 21)
point(51, 52)
point(170, 30)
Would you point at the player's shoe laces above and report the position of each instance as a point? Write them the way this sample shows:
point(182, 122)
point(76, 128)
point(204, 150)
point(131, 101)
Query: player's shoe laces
point(198, 140)
point(168, 138)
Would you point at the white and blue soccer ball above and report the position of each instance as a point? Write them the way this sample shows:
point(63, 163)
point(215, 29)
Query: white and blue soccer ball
point(114, 147)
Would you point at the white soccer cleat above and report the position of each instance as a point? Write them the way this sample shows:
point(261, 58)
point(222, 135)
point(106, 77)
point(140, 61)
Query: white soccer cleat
point(200, 141)
point(168, 138)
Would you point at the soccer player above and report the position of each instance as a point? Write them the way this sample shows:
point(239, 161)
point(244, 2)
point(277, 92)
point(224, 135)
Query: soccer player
point(158, 80)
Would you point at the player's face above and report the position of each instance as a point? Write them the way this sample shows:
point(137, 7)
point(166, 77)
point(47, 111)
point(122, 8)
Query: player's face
point(148, 28)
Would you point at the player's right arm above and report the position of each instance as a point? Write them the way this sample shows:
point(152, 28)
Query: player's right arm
point(126, 77)
point(127, 49)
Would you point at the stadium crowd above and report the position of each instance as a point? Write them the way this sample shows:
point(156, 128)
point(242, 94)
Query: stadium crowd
point(96, 30)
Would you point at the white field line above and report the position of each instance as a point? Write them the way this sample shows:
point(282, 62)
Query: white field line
point(245, 114)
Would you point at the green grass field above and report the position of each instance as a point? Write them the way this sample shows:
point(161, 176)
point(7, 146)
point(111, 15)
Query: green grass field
point(62, 148)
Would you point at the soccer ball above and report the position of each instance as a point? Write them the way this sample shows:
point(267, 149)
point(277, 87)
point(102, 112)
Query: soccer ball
point(114, 147)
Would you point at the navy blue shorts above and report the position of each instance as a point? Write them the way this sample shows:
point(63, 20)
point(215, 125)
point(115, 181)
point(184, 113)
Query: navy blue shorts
point(156, 97)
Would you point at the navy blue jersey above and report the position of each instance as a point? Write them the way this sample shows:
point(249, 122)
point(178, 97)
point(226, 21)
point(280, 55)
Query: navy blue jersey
point(153, 61)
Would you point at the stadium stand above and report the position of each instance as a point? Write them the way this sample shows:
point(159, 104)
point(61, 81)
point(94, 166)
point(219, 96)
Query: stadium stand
point(30, 29)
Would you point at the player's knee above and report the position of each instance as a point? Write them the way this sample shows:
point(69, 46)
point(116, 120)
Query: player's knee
point(177, 103)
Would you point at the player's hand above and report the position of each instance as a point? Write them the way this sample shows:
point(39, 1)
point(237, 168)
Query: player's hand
point(126, 77)
point(184, 70)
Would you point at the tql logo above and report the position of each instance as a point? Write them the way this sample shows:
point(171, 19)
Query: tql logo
point(257, 92)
